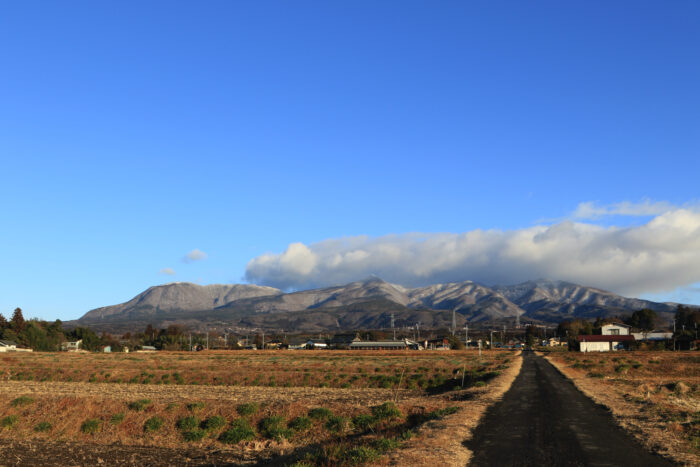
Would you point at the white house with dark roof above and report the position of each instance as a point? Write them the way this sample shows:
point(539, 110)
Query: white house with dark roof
point(6, 345)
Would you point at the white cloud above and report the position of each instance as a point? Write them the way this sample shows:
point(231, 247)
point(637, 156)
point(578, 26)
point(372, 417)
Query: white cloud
point(167, 271)
point(660, 255)
point(195, 255)
point(590, 210)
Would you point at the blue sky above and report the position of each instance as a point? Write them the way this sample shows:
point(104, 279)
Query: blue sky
point(132, 133)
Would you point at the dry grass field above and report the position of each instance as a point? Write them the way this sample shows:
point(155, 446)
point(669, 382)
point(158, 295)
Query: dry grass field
point(336, 369)
point(309, 407)
point(654, 395)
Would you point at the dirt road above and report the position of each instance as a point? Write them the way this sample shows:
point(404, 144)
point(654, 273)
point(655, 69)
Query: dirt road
point(544, 420)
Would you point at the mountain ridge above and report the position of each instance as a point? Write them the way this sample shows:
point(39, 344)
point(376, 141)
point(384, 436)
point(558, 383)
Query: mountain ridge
point(367, 303)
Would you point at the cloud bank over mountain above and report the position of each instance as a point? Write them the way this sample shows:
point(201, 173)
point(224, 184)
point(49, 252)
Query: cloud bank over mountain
point(660, 255)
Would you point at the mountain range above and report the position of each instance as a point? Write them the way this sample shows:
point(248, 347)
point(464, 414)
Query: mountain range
point(367, 304)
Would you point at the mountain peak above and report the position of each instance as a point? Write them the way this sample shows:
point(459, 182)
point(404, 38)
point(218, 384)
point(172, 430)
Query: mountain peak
point(541, 300)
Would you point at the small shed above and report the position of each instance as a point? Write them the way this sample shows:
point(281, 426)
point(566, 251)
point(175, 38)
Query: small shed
point(313, 344)
point(441, 343)
point(72, 346)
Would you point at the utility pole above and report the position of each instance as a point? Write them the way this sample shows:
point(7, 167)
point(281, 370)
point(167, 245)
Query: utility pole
point(225, 341)
point(454, 322)
point(207, 339)
point(466, 336)
point(392, 325)
point(190, 341)
point(517, 320)
point(263, 340)
point(491, 341)
point(674, 334)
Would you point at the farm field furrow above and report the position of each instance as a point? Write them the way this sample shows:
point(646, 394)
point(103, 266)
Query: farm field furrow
point(336, 369)
point(231, 394)
point(318, 407)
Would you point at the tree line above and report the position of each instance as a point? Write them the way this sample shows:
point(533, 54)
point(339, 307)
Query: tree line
point(41, 335)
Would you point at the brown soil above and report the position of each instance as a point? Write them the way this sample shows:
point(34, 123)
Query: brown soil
point(33, 453)
point(66, 405)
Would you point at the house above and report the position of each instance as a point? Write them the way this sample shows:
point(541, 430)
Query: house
point(604, 343)
point(7, 346)
point(553, 342)
point(384, 345)
point(106, 348)
point(315, 344)
point(615, 329)
point(274, 345)
point(296, 343)
point(71, 346)
point(437, 344)
point(146, 349)
point(343, 341)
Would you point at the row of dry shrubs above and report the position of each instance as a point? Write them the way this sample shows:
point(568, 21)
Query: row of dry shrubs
point(348, 439)
point(335, 369)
